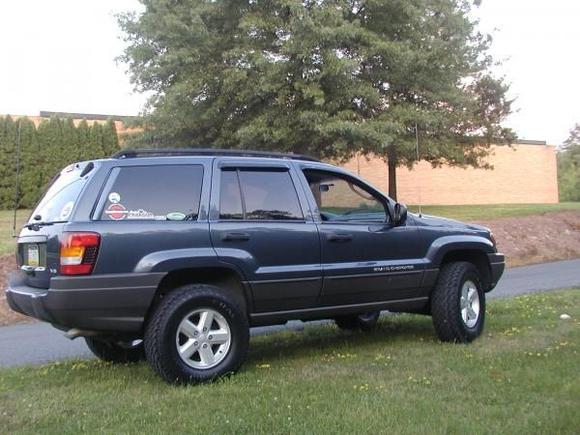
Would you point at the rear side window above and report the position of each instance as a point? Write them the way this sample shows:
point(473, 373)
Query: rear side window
point(258, 195)
point(166, 192)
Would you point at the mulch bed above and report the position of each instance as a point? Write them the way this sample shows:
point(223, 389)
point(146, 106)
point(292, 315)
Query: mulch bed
point(537, 238)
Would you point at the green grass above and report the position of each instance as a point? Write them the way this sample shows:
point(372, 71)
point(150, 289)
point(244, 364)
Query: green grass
point(7, 243)
point(492, 211)
point(521, 376)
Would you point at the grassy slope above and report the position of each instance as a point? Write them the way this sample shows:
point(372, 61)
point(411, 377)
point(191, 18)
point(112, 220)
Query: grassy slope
point(493, 211)
point(522, 376)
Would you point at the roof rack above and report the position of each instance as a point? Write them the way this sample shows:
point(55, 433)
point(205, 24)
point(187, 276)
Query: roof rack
point(163, 152)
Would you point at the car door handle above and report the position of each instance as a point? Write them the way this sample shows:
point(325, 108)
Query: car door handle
point(235, 237)
point(339, 237)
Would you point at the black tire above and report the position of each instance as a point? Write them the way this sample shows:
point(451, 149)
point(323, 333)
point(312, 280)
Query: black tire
point(363, 321)
point(446, 303)
point(108, 350)
point(161, 333)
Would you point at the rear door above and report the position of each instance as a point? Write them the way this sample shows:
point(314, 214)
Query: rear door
point(260, 224)
point(38, 243)
point(152, 214)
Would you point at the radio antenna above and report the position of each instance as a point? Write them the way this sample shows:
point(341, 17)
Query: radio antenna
point(17, 181)
point(418, 161)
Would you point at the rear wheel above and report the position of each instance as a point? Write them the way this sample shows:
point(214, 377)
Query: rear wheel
point(364, 321)
point(197, 333)
point(458, 303)
point(116, 352)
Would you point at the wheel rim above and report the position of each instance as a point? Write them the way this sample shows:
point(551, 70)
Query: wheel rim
point(469, 304)
point(203, 338)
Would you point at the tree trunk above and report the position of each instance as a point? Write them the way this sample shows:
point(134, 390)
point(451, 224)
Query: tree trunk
point(392, 166)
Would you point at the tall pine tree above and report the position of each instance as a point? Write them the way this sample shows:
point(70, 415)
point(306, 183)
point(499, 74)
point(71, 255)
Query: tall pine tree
point(46, 150)
point(30, 184)
point(8, 140)
point(325, 77)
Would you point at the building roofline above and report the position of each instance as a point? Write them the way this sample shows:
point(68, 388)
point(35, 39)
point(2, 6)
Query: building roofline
point(87, 116)
point(529, 142)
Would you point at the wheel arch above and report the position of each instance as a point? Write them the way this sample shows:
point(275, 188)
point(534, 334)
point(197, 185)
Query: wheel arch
point(473, 249)
point(224, 277)
point(474, 256)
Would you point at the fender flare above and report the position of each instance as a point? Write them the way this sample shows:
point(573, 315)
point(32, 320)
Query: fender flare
point(444, 245)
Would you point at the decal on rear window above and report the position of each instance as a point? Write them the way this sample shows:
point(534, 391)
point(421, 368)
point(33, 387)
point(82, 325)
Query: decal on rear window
point(116, 212)
point(66, 210)
point(114, 197)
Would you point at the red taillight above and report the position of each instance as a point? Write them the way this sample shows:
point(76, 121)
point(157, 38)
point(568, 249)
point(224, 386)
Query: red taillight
point(78, 253)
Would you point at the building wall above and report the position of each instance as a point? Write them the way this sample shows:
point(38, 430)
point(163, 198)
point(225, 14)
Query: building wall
point(523, 173)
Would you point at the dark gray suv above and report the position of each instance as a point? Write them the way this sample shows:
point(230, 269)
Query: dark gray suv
point(173, 255)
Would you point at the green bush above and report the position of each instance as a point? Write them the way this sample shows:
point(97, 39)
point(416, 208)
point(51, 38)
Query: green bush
point(44, 151)
point(569, 167)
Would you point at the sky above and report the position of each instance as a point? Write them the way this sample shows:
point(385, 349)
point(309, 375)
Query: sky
point(59, 55)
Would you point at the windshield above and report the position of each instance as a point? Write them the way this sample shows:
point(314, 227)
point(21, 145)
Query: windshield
point(60, 198)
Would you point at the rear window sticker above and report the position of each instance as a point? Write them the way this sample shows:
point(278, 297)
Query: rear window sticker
point(114, 197)
point(140, 214)
point(116, 212)
point(175, 216)
point(66, 210)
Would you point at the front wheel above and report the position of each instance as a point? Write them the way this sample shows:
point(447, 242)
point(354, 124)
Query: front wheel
point(458, 303)
point(197, 333)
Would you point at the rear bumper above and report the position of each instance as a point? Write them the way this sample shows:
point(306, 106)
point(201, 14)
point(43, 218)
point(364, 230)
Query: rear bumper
point(497, 266)
point(108, 303)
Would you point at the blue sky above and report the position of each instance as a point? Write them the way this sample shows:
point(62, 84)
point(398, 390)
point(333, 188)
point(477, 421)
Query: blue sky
point(59, 55)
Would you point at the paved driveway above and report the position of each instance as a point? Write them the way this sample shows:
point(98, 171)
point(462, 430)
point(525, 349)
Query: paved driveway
point(38, 343)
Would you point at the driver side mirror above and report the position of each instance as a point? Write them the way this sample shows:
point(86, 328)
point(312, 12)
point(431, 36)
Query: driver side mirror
point(400, 214)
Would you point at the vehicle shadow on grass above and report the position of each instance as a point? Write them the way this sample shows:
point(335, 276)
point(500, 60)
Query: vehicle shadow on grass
point(327, 338)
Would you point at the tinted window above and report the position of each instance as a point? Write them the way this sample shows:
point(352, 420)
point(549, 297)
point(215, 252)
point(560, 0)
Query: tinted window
point(341, 199)
point(60, 198)
point(230, 197)
point(265, 195)
point(169, 192)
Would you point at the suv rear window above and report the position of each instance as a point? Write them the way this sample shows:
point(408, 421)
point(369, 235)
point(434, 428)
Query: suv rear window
point(167, 192)
point(60, 198)
point(265, 195)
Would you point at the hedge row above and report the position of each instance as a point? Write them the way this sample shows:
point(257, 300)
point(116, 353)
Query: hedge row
point(44, 151)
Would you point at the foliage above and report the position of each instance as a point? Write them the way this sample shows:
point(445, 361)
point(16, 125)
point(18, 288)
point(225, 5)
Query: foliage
point(328, 78)
point(44, 151)
point(569, 167)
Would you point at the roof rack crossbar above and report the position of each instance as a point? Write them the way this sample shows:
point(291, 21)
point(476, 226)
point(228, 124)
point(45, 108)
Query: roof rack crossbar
point(162, 152)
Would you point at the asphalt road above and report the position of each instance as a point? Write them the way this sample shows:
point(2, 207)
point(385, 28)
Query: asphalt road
point(39, 343)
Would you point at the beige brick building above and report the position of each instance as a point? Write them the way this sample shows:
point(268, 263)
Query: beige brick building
point(523, 173)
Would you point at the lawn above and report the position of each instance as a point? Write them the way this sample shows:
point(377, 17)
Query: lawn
point(6, 220)
point(493, 211)
point(521, 376)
